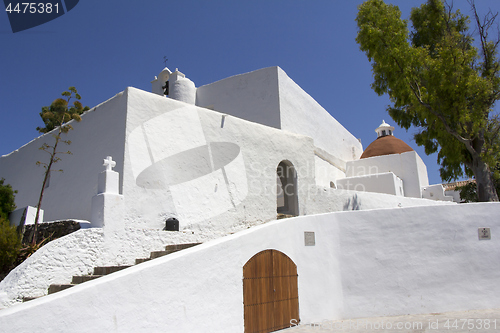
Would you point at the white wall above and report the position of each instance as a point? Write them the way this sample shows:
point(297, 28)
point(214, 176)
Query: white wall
point(101, 133)
point(386, 182)
point(268, 96)
point(436, 192)
point(224, 172)
point(301, 114)
point(146, 298)
point(210, 170)
point(453, 194)
point(181, 88)
point(59, 261)
point(407, 166)
point(79, 252)
point(325, 200)
point(326, 172)
point(251, 96)
point(420, 260)
point(367, 263)
point(16, 216)
point(153, 132)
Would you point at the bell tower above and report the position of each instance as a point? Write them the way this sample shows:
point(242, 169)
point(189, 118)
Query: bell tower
point(159, 83)
point(174, 85)
point(384, 129)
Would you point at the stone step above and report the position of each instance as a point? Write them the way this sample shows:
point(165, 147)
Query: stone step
point(168, 249)
point(158, 254)
point(108, 269)
point(177, 247)
point(283, 216)
point(54, 288)
point(84, 278)
point(141, 260)
point(171, 249)
point(100, 271)
point(27, 299)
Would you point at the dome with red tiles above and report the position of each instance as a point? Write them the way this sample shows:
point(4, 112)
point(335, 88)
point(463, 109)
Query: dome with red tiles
point(386, 143)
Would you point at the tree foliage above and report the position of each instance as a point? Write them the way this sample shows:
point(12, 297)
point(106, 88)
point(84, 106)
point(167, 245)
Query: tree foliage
point(10, 245)
point(468, 192)
point(7, 199)
point(439, 82)
point(60, 112)
point(56, 118)
point(10, 242)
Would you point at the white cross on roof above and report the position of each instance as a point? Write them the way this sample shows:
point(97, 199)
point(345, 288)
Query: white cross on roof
point(109, 163)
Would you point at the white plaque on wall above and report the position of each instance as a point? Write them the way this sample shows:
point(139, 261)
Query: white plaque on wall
point(309, 238)
point(484, 233)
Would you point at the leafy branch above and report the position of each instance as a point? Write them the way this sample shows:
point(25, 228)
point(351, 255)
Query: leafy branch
point(57, 117)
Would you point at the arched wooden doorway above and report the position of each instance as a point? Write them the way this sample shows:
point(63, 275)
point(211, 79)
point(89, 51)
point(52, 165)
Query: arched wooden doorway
point(270, 292)
point(286, 189)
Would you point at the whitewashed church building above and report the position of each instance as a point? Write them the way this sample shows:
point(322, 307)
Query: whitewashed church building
point(366, 235)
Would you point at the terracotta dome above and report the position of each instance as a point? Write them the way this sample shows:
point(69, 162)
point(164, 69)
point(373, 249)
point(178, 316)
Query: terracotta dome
point(386, 145)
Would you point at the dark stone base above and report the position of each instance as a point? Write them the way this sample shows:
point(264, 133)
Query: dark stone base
point(50, 230)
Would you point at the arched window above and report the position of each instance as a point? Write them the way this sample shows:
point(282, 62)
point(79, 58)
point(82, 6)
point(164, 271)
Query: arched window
point(286, 193)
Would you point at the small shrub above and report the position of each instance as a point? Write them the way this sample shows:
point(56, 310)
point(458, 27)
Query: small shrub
point(10, 245)
point(7, 198)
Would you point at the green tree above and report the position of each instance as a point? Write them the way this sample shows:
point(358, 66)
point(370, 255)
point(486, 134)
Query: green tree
point(439, 82)
point(10, 245)
point(56, 118)
point(10, 242)
point(468, 192)
point(7, 199)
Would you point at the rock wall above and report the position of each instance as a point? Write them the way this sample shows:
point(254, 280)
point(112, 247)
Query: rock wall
point(51, 230)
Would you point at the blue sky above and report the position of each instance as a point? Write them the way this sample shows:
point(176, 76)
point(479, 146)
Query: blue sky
point(101, 47)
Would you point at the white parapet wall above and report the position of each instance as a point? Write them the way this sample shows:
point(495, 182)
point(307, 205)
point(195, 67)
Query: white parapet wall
point(367, 263)
point(28, 213)
point(78, 253)
point(437, 192)
point(407, 166)
point(326, 200)
point(386, 182)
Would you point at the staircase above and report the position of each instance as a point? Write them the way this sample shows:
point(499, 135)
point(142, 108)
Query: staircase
point(168, 249)
point(101, 271)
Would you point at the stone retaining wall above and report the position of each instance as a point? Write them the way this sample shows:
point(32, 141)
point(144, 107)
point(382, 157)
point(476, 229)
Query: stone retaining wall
point(50, 230)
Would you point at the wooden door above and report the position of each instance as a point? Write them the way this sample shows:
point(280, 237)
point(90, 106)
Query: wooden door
point(270, 292)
